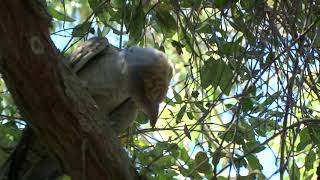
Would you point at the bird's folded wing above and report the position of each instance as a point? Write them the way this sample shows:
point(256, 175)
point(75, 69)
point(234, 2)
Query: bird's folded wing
point(86, 51)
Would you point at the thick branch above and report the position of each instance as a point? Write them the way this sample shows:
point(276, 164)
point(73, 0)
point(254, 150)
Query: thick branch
point(59, 110)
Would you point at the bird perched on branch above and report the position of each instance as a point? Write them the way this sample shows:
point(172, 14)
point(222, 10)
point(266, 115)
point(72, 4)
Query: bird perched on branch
point(122, 82)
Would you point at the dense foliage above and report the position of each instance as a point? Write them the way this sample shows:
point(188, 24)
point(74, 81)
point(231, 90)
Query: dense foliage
point(244, 101)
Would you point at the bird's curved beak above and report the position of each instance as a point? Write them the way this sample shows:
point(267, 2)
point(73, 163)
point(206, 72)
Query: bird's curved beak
point(152, 111)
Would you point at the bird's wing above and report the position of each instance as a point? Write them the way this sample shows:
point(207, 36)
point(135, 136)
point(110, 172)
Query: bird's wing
point(86, 51)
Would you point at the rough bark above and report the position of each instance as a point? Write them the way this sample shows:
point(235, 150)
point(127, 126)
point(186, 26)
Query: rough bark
point(60, 111)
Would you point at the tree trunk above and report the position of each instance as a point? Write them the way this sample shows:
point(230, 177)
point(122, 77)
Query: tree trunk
point(59, 110)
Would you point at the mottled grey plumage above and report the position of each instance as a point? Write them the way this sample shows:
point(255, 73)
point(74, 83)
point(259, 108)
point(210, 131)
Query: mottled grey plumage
point(123, 82)
point(103, 72)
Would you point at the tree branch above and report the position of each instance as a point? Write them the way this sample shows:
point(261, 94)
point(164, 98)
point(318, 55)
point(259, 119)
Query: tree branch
point(60, 111)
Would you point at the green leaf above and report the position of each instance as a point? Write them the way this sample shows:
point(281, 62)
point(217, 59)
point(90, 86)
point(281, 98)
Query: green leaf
point(249, 146)
point(103, 32)
point(169, 101)
point(201, 157)
point(271, 99)
point(206, 73)
point(247, 104)
point(240, 162)
point(217, 73)
point(186, 3)
point(204, 168)
point(165, 20)
point(118, 3)
point(304, 139)
point(59, 15)
point(254, 162)
point(177, 97)
point(314, 135)
point(178, 46)
point(174, 149)
point(181, 113)
point(104, 17)
point(294, 172)
point(216, 157)
point(220, 3)
point(228, 136)
point(202, 162)
point(81, 29)
point(166, 161)
point(184, 154)
point(310, 159)
point(228, 106)
point(142, 118)
point(94, 3)
point(205, 28)
point(137, 24)
point(165, 175)
point(200, 106)
point(190, 115)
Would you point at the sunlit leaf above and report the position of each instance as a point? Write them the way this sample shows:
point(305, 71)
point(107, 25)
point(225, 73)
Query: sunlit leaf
point(59, 15)
point(181, 113)
point(190, 115)
point(253, 161)
point(304, 139)
point(310, 158)
point(177, 96)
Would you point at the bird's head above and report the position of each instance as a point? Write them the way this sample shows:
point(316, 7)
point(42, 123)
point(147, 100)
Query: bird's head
point(149, 77)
